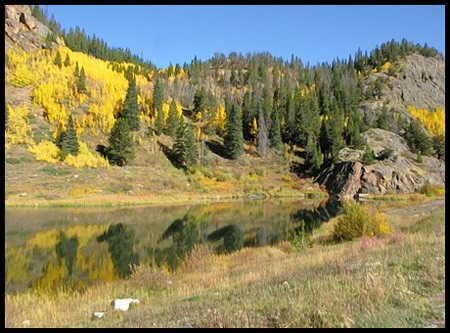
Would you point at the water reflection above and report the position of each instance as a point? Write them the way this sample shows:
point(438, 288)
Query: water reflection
point(89, 246)
point(120, 239)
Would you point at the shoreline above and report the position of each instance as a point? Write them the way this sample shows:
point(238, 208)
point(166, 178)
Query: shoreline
point(114, 200)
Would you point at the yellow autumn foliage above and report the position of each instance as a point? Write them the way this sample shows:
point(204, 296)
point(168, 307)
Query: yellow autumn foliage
point(85, 158)
point(45, 151)
point(18, 130)
point(221, 118)
point(433, 121)
point(385, 67)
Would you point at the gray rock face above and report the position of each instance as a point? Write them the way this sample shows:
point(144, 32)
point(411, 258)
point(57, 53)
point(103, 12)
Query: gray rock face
point(421, 84)
point(22, 29)
point(400, 173)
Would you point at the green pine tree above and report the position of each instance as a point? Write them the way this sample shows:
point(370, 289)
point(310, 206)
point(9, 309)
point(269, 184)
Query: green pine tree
point(77, 70)
point(81, 84)
point(172, 120)
point(234, 140)
point(58, 60)
point(67, 60)
point(131, 107)
point(158, 97)
point(200, 101)
point(275, 131)
point(121, 145)
point(184, 149)
point(70, 138)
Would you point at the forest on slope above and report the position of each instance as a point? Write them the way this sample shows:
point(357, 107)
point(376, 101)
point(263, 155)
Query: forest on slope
point(93, 106)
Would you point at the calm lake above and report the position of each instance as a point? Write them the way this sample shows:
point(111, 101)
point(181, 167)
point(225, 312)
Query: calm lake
point(76, 247)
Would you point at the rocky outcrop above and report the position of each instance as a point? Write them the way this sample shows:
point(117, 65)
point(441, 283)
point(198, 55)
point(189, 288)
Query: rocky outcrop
point(420, 83)
point(22, 29)
point(399, 173)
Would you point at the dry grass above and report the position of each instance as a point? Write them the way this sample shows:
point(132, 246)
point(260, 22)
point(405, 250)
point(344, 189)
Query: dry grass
point(370, 282)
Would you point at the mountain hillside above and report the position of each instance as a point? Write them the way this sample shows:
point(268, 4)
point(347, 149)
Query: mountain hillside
point(235, 126)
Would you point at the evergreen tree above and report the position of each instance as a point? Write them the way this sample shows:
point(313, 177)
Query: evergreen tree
point(417, 140)
point(158, 97)
point(234, 140)
point(58, 60)
point(382, 120)
point(48, 41)
point(70, 138)
point(81, 84)
point(200, 101)
point(184, 149)
point(262, 138)
point(352, 133)
point(368, 157)
point(172, 120)
point(275, 132)
point(77, 70)
point(121, 145)
point(438, 143)
point(131, 107)
point(67, 60)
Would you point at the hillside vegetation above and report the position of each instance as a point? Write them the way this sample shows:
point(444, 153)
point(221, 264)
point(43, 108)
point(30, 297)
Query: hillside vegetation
point(289, 121)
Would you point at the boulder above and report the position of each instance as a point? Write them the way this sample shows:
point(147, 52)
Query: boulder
point(342, 180)
point(400, 173)
point(123, 303)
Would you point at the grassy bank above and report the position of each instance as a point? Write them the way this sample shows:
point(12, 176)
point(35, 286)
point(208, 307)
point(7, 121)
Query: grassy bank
point(396, 281)
point(123, 200)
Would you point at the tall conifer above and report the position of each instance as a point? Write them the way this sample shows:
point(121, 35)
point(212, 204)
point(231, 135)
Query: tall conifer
point(234, 140)
point(131, 107)
point(121, 145)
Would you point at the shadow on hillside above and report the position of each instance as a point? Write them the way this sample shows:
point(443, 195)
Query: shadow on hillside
point(301, 170)
point(168, 152)
point(217, 148)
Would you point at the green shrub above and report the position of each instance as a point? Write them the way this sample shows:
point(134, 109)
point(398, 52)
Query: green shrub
point(358, 220)
point(431, 190)
point(260, 171)
point(368, 157)
point(224, 177)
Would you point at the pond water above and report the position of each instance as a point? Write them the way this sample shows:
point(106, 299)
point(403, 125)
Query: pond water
point(76, 247)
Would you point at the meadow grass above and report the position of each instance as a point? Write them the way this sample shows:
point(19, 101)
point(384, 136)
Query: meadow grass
point(388, 281)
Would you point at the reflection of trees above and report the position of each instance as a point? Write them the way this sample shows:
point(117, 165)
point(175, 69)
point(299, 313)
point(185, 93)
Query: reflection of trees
point(315, 217)
point(67, 248)
point(233, 237)
point(120, 240)
point(185, 235)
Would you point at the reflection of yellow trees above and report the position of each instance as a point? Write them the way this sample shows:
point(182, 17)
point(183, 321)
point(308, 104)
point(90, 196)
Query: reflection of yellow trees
point(17, 259)
point(48, 239)
point(96, 266)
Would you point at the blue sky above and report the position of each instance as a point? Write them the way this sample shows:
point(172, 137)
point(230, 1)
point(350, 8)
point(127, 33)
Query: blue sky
point(313, 33)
